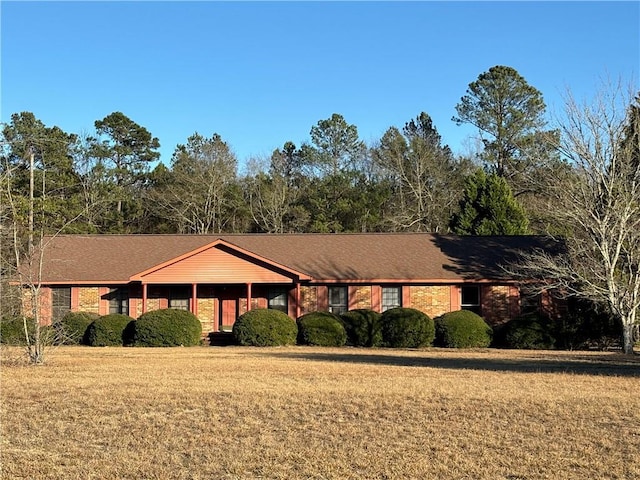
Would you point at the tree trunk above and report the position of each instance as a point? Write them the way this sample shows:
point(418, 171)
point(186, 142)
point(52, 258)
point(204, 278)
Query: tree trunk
point(627, 337)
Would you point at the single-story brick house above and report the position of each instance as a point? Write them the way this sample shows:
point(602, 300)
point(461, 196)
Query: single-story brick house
point(219, 277)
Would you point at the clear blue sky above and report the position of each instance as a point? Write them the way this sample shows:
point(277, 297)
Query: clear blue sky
point(263, 73)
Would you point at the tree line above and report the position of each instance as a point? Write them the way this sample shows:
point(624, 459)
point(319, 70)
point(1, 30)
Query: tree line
point(408, 180)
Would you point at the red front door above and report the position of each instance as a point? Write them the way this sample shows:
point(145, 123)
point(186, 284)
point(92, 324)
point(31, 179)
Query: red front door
point(228, 299)
point(228, 309)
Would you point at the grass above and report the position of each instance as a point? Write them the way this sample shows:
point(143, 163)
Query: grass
point(319, 413)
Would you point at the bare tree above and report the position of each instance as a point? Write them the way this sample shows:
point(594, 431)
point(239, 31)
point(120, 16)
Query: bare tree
point(601, 207)
point(423, 173)
point(196, 196)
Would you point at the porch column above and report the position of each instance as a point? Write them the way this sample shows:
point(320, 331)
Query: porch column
point(248, 297)
point(194, 299)
point(297, 299)
point(144, 298)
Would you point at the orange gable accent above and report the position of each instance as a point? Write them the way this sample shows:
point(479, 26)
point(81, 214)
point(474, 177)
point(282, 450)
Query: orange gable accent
point(216, 263)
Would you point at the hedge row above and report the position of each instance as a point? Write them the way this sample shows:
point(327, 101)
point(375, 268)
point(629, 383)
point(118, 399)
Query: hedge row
point(399, 327)
point(395, 328)
point(159, 328)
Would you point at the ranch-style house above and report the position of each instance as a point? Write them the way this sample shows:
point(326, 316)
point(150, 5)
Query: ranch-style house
point(219, 277)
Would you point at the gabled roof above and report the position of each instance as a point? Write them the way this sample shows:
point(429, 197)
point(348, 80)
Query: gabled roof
point(381, 257)
point(219, 243)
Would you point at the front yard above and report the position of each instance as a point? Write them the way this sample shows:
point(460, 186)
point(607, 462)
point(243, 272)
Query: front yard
point(300, 412)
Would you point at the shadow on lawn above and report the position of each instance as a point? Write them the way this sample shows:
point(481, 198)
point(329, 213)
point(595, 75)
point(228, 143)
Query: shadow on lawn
point(611, 365)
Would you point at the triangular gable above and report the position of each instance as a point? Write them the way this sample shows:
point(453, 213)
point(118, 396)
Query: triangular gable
point(219, 262)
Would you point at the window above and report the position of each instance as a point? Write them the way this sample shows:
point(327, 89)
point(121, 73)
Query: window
point(277, 299)
point(60, 302)
point(529, 303)
point(470, 298)
point(338, 300)
point(119, 301)
point(179, 299)
point(391, 297)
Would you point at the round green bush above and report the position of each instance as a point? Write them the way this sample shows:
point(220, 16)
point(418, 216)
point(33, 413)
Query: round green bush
point(462, 329)
point(363, 327)
point(71, 329)
point(407, 328)
point(532, 332)
point(265, 328)
point(321, 328)
point(107, 331)
point(165, 328)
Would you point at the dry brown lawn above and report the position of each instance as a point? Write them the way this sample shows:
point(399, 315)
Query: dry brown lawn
point(299, 412)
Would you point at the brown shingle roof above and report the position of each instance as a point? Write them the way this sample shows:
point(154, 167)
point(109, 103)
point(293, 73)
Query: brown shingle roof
point(345, 257)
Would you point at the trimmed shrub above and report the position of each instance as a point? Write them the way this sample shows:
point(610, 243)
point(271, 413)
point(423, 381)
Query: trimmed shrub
point(321, 328)
point(71, 329)
point(586, 324)
point(531, 331)
point(107, 331)
point(363, 327)
point(265, 328)
point(407, 328)
point(462, 329)
point(12, 330)
point(165, 328)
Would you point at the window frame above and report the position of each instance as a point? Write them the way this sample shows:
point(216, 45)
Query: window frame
point(275, 293)
point(384, 306)
point(343, 305)
point(475, 307)
point(59, 309)
point(180, 299)
point(119, 301)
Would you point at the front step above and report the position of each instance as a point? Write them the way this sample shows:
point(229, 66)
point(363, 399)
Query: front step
point(220, 339)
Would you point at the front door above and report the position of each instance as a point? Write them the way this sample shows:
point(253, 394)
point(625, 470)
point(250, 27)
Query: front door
point(228, 298)
point(228, 310)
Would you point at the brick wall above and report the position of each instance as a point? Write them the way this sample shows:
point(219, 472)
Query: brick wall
point(153, 304)
point(308, 299)
point(500, 303)
point(432, 300)
point(360, 297)
point(45, 304)
point(89, 299)
point(206, 313)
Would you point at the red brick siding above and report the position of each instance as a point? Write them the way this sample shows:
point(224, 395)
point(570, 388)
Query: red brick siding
point(500, 303)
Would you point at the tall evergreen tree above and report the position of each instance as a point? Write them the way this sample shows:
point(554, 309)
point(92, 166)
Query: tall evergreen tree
point(489, 208)
point(509, 114)
point(123, 153)
point(57, 187)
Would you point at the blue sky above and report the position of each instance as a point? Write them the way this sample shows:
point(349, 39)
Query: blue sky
point(262, 73)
